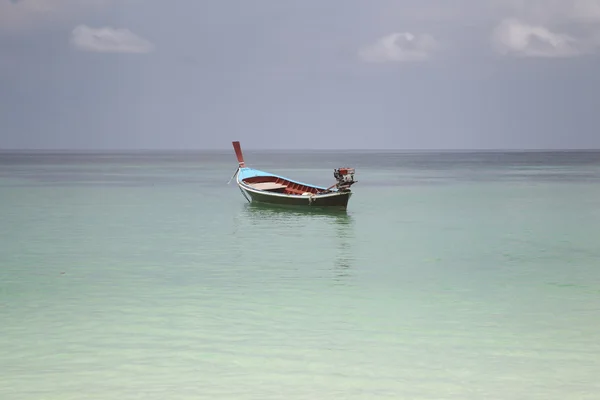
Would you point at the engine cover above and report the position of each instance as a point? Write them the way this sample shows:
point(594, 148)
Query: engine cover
point(344, 177)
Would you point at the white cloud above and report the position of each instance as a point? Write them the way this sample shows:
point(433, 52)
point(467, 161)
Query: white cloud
point(109, 40)
point(513, 37)
point(399, 47)
point(547, 28)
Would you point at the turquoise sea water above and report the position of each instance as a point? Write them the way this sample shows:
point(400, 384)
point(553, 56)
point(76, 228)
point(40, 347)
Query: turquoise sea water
point(451, 276)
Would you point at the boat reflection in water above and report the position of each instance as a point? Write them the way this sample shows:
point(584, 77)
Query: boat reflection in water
point(298, 222)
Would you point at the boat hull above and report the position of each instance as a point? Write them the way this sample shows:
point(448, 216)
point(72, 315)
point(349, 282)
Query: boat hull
point(329, 200)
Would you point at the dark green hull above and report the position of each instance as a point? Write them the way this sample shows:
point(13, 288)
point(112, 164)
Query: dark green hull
point(339, 200)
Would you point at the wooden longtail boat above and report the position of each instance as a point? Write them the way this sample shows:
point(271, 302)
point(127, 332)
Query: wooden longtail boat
point(264, 187)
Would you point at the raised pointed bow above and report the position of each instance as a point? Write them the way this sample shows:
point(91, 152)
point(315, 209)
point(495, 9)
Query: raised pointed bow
point(239, 154)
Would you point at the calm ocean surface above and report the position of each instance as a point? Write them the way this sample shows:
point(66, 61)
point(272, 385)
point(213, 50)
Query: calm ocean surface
point(451, 276)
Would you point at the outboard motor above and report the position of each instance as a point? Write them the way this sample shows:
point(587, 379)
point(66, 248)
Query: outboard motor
point(344, 177)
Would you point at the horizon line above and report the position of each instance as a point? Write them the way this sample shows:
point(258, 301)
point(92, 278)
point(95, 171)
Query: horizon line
point(221, 149)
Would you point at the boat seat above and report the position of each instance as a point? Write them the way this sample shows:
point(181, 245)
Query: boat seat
point(267, 186)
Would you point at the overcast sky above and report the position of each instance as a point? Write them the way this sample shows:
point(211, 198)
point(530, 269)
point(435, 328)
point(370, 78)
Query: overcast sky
point(377, 74)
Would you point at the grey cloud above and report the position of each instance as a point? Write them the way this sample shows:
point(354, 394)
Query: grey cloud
point(289, 74)
point(551, 11)
point(28, 15)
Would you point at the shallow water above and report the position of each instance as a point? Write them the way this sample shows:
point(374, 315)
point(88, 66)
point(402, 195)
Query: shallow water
point(451, 276)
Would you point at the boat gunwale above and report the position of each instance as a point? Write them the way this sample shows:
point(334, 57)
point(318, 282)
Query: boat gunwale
point(268, 174)
point(249, 188)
